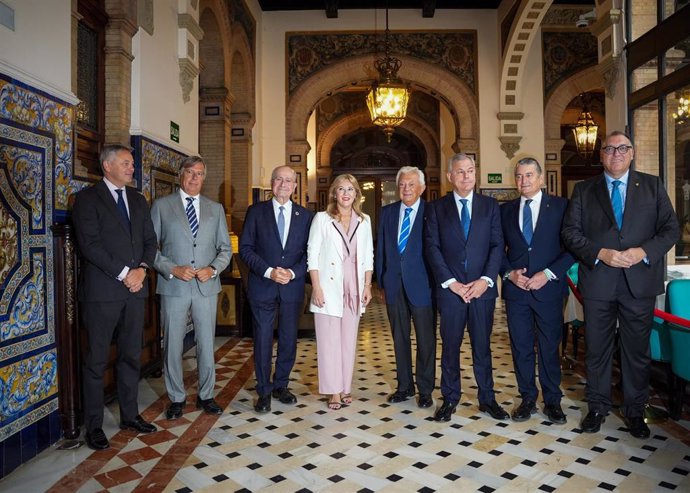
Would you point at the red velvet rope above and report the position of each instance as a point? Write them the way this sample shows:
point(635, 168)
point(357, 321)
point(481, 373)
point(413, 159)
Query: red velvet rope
point(668, 317)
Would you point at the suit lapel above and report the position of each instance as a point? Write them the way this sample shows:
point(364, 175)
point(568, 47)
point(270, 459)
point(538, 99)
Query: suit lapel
point(542, 217)
point(514, 218)
point(630, 193)
point(179, 210)
point(392, 222)
point(296, 218)
point(109, 202)
point(601, 191)
point(454, 217)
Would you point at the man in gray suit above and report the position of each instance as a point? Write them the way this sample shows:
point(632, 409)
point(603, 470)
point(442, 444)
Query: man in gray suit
point(194, 247)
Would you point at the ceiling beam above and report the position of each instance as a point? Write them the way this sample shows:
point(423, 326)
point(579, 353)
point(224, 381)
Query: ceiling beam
point(428, 8)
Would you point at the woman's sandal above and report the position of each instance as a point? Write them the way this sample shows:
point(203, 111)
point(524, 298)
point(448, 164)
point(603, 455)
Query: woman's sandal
point(334, 405)
point(346, 399)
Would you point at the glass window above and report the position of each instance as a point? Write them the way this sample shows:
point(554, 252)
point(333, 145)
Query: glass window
point(643, 16)
point(673, 6)
point(677, 57)
point(644, 75)
point(678, 167)
point(646, 138)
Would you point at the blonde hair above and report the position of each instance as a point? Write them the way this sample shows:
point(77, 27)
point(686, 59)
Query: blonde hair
point(332, 207)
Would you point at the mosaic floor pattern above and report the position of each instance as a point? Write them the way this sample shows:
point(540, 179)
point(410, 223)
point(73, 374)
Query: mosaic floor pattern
point(372, 445)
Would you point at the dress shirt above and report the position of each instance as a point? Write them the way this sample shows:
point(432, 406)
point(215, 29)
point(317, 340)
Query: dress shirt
point(111, 187)
point(413, 214)
point(622, 188)
point(458, 204)
point(534, 207)
point(197, 206)
point(287, 214)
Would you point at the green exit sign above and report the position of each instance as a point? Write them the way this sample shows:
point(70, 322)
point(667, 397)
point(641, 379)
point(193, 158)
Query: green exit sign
point(174, 132)
point(495, 178)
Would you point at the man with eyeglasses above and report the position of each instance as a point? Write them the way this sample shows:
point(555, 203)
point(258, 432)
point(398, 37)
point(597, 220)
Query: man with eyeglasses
point(194, 247)
point(620, 225)
point(274, 247)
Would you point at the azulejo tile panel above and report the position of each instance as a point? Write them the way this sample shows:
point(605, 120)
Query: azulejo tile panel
point(157, 167)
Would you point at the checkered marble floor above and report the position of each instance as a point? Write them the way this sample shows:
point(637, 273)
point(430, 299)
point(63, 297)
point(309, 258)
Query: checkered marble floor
point(375, 446)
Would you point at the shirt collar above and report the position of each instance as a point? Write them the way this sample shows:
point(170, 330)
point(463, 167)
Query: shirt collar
point(536, 200)
point(415, 206)
point(623, 179)
point(277, 205)
point(184, 195)
point(469, 197)
point(111, 186)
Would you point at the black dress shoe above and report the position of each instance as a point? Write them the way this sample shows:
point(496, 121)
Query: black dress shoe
point(494, 410)
point(209, 406)
point(263, 405)
point(96, 439)
point(637, 427)
point(445, 412)
point(592, 422)
point(400, 396)
point(139, 425)
point(425, 401)
point(554, 413)
point(284, 396)
point(524, 411)
point(175, 410)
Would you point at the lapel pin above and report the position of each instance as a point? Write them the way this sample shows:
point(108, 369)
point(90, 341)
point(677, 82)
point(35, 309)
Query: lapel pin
point(296, 213)
point(637, 184)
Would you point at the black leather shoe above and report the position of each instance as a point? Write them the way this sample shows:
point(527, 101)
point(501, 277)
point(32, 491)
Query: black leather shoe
point(96, 439)
point(592, 422)
point(637, 427)
point(425, 401)
point(138, 425)
point(554, 413)
point(494, 410)
point(400, 396)
point(263, 405)
point(445, 412)
point(175, 410)
point(209, 406)
point(284, 396)
point(524, 411)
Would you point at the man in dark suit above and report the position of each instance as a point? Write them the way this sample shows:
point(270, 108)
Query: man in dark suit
point(465, 250)
point(619, 225)
point(534, 286)
point(401, 272)
point(117, 245)
point(274, 246)
point(194, 247)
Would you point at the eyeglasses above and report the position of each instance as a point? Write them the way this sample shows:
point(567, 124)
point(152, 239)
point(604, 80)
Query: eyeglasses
point(622, 149)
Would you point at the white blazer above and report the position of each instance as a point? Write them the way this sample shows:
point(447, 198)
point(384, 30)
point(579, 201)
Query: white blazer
point(325, 254)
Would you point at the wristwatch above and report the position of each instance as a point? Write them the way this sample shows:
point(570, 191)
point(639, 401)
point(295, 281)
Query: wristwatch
point(215, 272)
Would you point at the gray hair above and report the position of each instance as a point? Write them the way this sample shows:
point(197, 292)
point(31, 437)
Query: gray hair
point(460, 156)
point(410, 169)
point(275, 170)
point(190, 161)
point(109, 151)
point(526, 161)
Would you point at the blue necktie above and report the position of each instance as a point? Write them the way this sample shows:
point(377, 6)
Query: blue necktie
point(281, 225)
point(527, 229)
point(122, 207)
point(617, 202)
point(404, 231)
point(191, 216)
point(465, 218)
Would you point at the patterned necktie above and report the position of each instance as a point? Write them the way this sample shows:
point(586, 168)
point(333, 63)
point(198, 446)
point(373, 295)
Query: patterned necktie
point(617, 202)
point(465, 218)
point(404, 231)
point(281, 225)
point(191, 216)
point(527, 228)
point(122, 207)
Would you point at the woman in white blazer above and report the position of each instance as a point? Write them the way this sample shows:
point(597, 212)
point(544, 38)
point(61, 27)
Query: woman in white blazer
point(340, 259)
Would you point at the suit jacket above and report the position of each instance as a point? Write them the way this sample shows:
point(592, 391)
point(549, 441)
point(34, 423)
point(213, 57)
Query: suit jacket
point(545, 252)
point(107, 245)
point(649, 222)
point(260, 248)
point(448, 250)
point(325, 254)
point(410, 269)
point(177, 246)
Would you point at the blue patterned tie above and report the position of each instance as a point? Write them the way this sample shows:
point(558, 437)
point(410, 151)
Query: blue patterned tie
point(122, 207)
point(465, 218)
point(191, 216)
point(527, 228)
point(404, 231)
point(281, 225)
point(617, 202)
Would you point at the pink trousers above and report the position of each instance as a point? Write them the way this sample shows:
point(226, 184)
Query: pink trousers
point(336, 342)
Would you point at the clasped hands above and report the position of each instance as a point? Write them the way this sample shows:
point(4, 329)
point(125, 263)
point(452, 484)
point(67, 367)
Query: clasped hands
point(469, 291)
point(281, 275)
point(134, 280)
point(625, 259)
point(537, 281)
point(187, 273)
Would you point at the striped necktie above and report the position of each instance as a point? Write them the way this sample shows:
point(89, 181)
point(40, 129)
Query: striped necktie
point(191, 216)
point(404, 231)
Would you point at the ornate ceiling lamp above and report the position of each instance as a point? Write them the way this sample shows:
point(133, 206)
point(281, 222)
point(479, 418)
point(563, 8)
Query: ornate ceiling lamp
point(388, 97)
point(682, 113)
point(585, 132)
